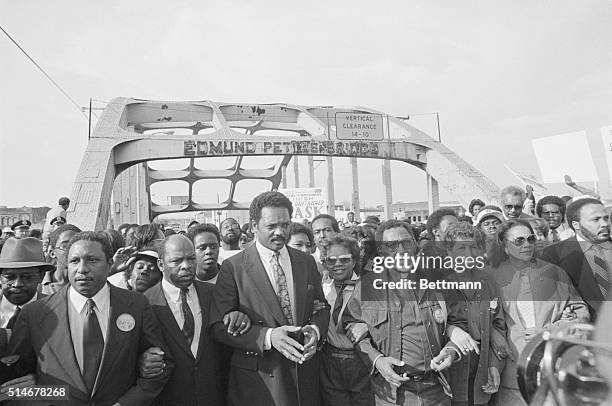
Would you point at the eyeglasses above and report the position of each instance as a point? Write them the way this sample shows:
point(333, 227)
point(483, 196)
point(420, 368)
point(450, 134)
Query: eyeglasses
point(520, 241)
point(394, 245)
point(344, 260)
point(516, 207)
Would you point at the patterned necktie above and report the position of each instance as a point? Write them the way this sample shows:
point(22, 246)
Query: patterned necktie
point(524, 302)
point(13, 318)
point(340, 287)
point(601, 270)
point(189, 324)
point(555, 235)
point(281, 288)
point(93, 345)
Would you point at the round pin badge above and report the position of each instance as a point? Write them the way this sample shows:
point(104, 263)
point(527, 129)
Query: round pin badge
point(493, 305)
point(125, 322)
point(439, 316)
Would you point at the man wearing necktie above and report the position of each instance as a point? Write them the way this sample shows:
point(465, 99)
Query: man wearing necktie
point(552, 209)
point(276, 286)
point(182, 305)
point(586, 257)
point(22, 267)
point(88, 336)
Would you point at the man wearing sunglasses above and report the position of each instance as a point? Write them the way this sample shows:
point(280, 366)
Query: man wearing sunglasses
point(512, 200)
point(586, 257)
point(405, 346)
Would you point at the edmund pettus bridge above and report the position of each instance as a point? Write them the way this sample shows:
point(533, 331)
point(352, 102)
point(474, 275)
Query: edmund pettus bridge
point(114, 179)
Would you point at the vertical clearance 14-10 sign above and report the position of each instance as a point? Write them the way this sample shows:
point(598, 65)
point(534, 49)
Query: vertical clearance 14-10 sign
point(359, 126)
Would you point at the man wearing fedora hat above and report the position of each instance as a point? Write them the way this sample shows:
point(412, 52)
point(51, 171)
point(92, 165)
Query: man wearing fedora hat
point(22, 267)
point(89, 335)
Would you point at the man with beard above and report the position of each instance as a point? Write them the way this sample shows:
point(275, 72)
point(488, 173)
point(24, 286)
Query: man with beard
point(552, 209)
point(230, 237)
point(586, 257)
point(272, 363)
point(205, 238)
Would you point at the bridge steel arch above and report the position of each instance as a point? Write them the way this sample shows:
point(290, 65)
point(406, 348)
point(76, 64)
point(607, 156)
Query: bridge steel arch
point(131, 132)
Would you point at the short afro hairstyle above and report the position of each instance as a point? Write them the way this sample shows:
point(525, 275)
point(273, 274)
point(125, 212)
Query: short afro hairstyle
point(435, 218)
point(512, 191)
point(299, 228)
point(330, 218)
point(574, 208)
point(475, 202)
point(55, 234)
point(269, 199)
point(391, 224)
point(94, 236)
point(551, 200)
point(193, 231)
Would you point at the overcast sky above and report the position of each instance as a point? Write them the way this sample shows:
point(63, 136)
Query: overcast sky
point(499, 73)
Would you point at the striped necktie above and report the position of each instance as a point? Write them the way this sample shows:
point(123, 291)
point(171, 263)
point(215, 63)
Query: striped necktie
point(601, 270)
point(340, 287)
point(282, 291)
point(555, 235)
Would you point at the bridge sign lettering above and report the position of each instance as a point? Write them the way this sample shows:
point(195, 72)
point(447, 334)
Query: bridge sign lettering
point(359, 126)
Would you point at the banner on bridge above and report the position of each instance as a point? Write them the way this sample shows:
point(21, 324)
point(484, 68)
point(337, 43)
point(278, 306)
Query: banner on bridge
point(307, 202)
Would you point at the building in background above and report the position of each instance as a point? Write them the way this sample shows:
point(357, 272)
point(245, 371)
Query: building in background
point(11, 215)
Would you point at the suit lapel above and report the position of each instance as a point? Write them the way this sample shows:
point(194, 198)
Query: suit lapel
point(56, 326)
point(158, 300)
point(587, 285)
point(205, 308)
point(300, 286)
point(115, 339)
point(256, 271)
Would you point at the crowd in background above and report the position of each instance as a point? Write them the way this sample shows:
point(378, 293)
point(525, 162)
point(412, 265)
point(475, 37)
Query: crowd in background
point(280, 312)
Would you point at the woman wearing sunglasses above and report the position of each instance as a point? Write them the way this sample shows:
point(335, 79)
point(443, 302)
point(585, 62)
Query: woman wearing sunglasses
point(537, 295)
point(345, 379)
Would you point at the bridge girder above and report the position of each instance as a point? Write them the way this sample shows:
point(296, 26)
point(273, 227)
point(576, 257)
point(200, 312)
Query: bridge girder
point(132, 131)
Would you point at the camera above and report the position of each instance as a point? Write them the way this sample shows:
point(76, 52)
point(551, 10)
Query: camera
point(560, 366)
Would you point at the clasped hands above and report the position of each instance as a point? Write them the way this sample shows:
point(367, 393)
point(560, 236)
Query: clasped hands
point(281, 339)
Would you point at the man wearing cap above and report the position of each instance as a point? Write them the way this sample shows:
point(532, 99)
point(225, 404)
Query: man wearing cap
point(141, 272)
point(21, 228)
point(57, 222)
point(89, 335)
point(22, 266)
point(58, 211)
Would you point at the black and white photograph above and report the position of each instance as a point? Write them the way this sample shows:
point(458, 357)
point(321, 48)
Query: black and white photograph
point(342, 203)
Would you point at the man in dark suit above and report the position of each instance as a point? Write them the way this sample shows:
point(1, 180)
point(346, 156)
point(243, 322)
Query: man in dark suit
point(586, 257)
point(276, 287)
point(182, 305)
point(88, 336)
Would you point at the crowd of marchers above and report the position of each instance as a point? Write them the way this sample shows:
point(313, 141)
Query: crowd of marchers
point(283, 313)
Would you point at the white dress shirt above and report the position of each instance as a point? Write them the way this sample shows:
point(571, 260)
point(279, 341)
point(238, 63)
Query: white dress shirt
point(266, 255)
point(7, 309)
point(77, 313)
point(563, 231)
point(173, 297)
